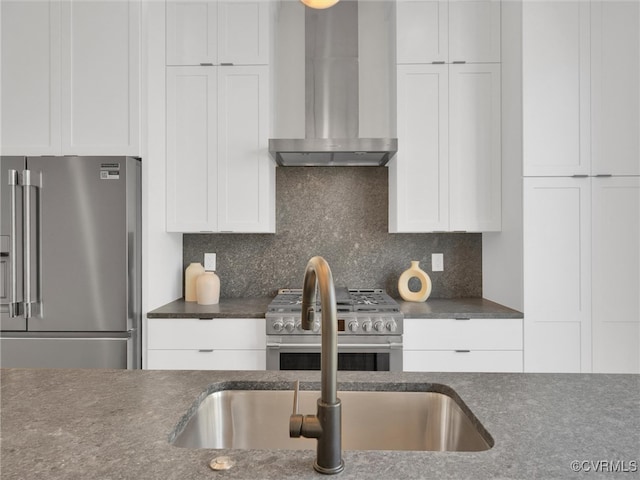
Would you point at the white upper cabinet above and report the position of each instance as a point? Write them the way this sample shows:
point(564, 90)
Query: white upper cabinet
point(220, 177)
point(556, 117)
point(422, 31)
point(441, 31)
point(246, 172)
point(474, 148)
point(100, 71)
point(474, 31)
point(30, 86)
point(217, 32)
point(419, 173)
point(615, 87)
point(70, 82)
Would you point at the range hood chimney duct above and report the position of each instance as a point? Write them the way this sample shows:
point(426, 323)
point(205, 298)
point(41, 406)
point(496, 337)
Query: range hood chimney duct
point(332, 97)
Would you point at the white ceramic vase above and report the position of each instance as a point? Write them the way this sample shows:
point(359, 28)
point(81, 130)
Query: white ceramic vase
point(208, 288)
point(414, 271)
point(192, 272)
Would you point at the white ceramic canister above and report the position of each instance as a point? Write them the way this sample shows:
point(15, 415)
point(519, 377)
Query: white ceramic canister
point(425, 281)
point(192, 272)
point(208, 288)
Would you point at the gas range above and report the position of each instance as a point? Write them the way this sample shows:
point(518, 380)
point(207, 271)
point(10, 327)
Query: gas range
point(361, 311)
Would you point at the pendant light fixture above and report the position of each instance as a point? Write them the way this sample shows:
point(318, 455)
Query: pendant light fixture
point(319, 4)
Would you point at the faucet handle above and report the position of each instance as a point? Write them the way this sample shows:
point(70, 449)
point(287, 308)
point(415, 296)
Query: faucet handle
point(295, 421)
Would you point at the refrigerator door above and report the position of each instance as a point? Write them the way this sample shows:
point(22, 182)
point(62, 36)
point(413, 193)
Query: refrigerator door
point(64, 352)
point(11, 317)
point(84, 254)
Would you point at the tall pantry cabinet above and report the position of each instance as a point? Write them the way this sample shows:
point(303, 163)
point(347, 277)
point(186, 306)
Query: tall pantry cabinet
point(581, 186)
point(220, 177)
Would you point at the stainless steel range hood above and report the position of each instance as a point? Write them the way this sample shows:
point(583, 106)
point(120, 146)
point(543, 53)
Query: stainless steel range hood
point(332, 96)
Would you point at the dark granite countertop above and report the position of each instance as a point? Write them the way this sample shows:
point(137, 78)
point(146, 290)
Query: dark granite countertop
point(97, 424)
point(255, 307)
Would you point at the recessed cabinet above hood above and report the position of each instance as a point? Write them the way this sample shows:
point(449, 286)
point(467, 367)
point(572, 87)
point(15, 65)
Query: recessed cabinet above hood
point(344, 90)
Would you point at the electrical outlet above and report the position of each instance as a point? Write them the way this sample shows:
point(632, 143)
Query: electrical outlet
point(210, 262)
point(437, 262)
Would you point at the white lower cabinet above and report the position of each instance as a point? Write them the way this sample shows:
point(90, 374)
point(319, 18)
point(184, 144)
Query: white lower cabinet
point(206, 344)
point(463, 345)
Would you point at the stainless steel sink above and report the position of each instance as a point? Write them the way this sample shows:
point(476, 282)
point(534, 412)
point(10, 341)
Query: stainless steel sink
point(371, 420)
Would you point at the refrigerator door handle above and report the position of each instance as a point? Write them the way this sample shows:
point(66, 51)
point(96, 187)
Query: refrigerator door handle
point(14, 305)
point(30, 300)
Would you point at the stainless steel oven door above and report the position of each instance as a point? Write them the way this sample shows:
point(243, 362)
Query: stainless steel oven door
point(361, 352)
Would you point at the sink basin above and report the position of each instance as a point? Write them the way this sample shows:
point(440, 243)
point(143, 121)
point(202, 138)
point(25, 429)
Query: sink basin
point(371, 420)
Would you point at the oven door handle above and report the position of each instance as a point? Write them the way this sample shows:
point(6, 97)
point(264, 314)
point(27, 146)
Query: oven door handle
point(389, 345)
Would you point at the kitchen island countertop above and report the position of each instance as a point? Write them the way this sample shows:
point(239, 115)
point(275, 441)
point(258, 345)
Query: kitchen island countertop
point(256, 307)
point(97, 424)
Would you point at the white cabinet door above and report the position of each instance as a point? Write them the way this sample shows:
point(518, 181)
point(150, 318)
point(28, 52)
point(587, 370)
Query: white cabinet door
point(419, 174)
point(243, 32)
point(555, 83)
point(616, 275)
point(474, 148)
point(192, 149)
point(30, 86)
point(462, 361)
point(615, 87)
point(206, 359)
point(422, 31)
point(246, 173)
point(217, 32)
point(557, 274)
point(474, 31)
point(100, 77)
point(192, 32)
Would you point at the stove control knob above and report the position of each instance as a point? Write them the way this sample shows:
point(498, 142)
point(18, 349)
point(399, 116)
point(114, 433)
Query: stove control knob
point(366, 325)
point(289, 325)
point(277, 325)
point(392, 326)
point(353, 326)
point(315, 326)
point(378, 325)
point(299, 326)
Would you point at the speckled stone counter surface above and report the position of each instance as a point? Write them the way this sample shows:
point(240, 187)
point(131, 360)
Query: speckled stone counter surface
point(250, 307)
point(99, 424)
point(256, 307)
point(457, 308)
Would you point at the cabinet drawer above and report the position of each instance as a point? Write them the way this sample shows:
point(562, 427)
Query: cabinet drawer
point(206, 360)
point(216, 333)
point(470, 334)
point(471, 361)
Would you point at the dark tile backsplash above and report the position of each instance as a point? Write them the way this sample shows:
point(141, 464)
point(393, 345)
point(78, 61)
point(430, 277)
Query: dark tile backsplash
point(340, 213)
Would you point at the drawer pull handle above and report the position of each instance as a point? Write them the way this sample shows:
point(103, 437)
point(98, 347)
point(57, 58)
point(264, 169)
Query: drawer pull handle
point(463, 351)
point(207, 350)
point(463, 318)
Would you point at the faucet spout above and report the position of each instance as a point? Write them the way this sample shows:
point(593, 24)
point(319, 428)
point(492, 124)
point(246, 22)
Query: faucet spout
point(329, 414)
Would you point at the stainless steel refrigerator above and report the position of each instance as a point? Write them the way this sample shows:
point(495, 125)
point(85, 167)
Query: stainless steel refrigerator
point(70, 262)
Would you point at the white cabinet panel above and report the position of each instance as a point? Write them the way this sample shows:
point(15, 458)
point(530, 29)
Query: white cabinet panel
point(474, 31)
point(216, 333)
point(422, 31)
point(30, 85)
point(463, 334)
point(556, 62)
point(616, 275)
point(462, 361)
point(218, 32)
point(206, 360)
point(100, 77)
point(615, 87)
point(419, 175)
point(557, 274)
point(191, 32)
point(246, 173)
point(192, 203)
point(474, 156)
